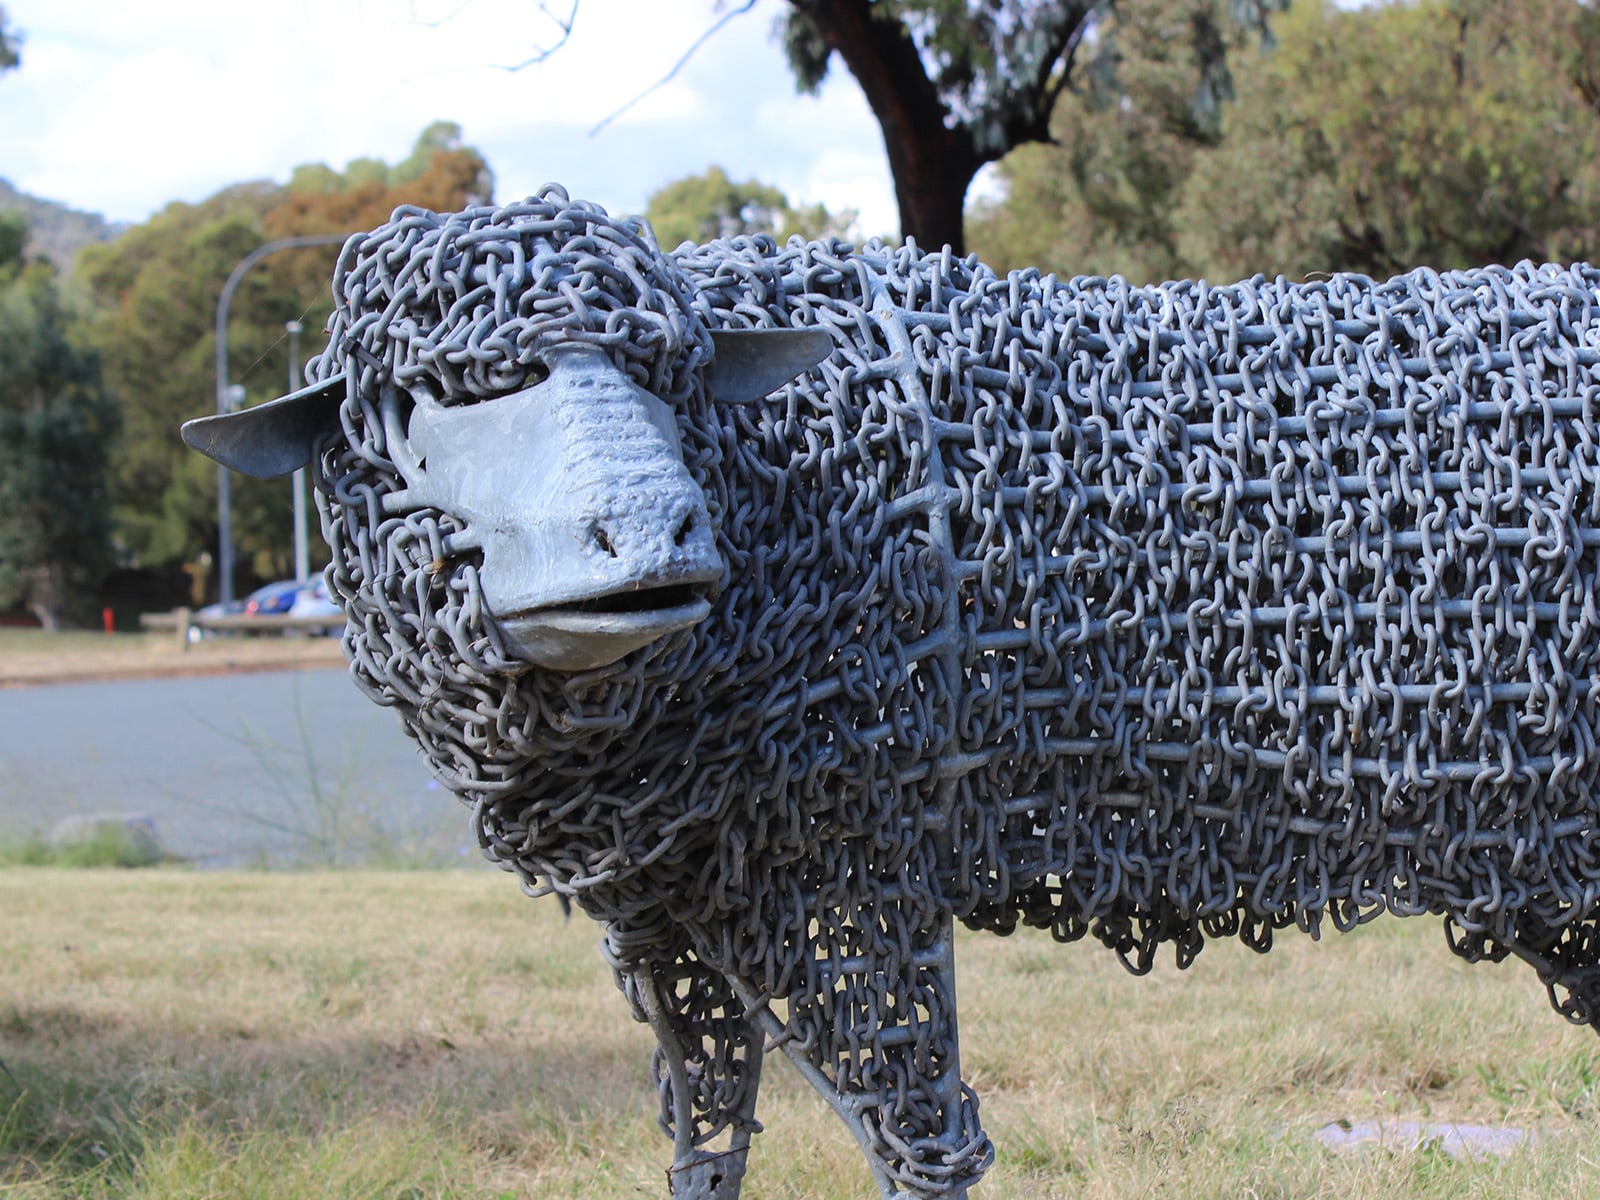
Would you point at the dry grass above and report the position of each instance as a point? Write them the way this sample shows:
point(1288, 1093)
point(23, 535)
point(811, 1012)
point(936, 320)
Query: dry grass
point(32, 656)
point(178, 1036)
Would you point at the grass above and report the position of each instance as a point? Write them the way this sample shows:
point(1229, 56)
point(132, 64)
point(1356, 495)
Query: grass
point(24, 640)
point(105, 846)
point(170, 1035)
point(31, 656)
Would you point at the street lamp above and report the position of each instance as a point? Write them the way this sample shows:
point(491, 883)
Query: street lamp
point(302, 556)
point(224, 392)
point(229, 399)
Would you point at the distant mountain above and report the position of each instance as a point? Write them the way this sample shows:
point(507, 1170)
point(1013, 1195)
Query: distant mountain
point(55, 231)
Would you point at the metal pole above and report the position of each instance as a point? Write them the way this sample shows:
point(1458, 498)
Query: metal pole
point(230, 398)
point(302, 555)
point(224, 487)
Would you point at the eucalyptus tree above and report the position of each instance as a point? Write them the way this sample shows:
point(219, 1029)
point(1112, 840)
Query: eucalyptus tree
point(10, 43)
point(710, 205)
point(56, 427)
point(956, 84)
point(1444, 132)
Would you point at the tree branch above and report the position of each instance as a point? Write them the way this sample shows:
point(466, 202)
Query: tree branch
point(565, 26)
point(683, 60)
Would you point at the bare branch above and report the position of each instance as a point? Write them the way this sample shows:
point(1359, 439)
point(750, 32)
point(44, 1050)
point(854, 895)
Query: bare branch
point(680, 64)
point(442, 21)
point(544, 52)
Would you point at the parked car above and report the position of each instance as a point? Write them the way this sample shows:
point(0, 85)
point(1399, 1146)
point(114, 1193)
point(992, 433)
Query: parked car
point(313, 601)
point(273, 599)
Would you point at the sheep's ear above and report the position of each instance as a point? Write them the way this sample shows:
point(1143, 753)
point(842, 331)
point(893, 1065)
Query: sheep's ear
point(273, 438)
point(750, 363)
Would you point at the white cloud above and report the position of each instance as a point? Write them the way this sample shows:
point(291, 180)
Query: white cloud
point(121, 108)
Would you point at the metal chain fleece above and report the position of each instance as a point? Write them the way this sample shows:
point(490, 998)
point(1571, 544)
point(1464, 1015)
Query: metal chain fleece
point(1151, 614)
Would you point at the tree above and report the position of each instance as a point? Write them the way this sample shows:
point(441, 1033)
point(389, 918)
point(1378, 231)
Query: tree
point(699, 208)
point(10, 43)
point(1372, 139)
point(441, 172)
point(1102, 198)
point(1444, 132)
point(56, 424)
point(956, 84)
point(953, 84)
point(156, 289)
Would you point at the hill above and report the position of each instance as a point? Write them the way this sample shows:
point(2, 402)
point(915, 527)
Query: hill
point(55, 231)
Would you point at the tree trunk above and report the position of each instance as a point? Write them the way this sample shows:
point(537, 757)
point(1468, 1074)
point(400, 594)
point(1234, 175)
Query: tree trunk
point(48, 600)
point(932, 197)
point(932, 164)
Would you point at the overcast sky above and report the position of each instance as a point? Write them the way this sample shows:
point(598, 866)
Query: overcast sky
point(119, 108)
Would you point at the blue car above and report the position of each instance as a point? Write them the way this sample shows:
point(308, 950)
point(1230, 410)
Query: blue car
point(274, 599)
point(313, 601)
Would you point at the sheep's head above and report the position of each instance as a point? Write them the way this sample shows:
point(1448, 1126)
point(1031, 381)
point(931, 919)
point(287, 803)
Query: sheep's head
point(530, 373)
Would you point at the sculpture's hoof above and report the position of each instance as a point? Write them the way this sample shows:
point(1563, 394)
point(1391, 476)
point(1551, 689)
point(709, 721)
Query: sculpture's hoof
point(710, 1177)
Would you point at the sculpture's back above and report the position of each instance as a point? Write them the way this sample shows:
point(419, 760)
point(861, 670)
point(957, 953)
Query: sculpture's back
point(1156, 614)
point(1250, 604)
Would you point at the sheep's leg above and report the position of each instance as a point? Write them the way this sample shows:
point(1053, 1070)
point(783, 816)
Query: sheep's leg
point(707, 1065)
point(893, 1073)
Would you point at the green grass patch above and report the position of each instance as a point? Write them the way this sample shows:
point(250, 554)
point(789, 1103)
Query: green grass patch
point(420, 1035)
point(106, 846)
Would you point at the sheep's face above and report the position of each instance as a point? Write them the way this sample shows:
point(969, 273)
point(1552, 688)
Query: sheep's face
point(594, 538)
point(512, 410)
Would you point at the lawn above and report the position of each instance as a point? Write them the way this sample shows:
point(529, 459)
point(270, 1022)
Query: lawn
point(177, 1035)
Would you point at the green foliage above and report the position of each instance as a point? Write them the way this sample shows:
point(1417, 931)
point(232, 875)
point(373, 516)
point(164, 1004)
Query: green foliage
point(56, 423)
point(699, 208)
point(1442, 132)
point(1103, 198)
point(805, 48)
point(442, 137)
point(1371, 139)
point(107, 846)
point(955, 84)
point(10, 44)
point(13, 234)
point(438, 150)
point(156, 289)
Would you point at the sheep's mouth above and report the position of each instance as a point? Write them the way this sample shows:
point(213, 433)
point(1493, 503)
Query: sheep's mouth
point(597, 630)
point(643, 600)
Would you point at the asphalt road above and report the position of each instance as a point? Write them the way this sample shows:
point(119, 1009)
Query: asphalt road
point(277, 768)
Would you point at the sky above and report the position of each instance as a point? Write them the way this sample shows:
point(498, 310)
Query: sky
point(121, 108)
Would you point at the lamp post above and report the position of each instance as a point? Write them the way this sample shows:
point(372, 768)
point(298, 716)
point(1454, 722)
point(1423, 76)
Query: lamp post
point(224, 393)
point(229, 397)
point(302, 556)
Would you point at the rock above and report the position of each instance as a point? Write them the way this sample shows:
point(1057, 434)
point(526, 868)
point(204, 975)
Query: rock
point(1456, 1141)
point(128, 839)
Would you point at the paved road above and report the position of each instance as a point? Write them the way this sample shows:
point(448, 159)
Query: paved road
point(277, 768)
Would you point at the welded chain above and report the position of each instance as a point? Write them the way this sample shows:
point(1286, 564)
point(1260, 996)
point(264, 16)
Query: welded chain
point(1150, 614)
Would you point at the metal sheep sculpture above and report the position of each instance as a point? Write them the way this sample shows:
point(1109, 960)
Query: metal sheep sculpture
point(781, 606)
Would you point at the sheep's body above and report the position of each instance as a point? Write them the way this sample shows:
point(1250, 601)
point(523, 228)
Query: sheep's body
point(1154, 614)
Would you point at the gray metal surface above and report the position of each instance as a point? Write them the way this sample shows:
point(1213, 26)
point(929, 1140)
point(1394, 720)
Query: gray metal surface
point(1147, 614)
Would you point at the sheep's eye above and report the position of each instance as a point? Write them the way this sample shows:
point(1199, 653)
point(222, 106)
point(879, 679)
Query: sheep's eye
point(538, 372)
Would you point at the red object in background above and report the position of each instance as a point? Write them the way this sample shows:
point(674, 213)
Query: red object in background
point(109, 619)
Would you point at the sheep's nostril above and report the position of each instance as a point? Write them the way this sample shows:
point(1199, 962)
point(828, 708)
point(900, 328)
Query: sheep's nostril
point(686, 529)
point(603, 540)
